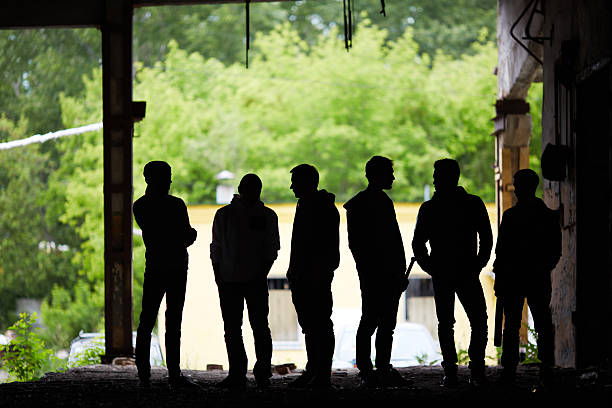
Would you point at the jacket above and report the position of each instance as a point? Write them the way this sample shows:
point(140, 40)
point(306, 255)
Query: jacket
point(457, 227)
point(166, 230)
point(245, 241)
point(374, 238)
point(528, 244)
point(315, 240)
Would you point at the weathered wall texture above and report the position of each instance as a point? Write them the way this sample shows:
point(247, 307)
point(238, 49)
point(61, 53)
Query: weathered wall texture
point(587, 23)
point(577, 113)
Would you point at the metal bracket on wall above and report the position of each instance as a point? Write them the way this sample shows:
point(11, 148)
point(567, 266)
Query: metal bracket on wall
point(533, 5)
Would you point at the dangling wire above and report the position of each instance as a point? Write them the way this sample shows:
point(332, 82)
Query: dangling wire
point(382, 11)
point(348, 23)
point(248, 31)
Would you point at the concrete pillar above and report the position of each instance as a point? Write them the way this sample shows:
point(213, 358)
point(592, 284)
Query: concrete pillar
point(118, 188)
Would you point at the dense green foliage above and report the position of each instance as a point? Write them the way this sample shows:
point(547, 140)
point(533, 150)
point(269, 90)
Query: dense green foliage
point(31, 262)
point(416, 86)
point(25, 357)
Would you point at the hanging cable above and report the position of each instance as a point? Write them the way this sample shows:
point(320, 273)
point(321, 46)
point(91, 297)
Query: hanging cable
point(248, 31)
point(347, 8)
point(382, 11)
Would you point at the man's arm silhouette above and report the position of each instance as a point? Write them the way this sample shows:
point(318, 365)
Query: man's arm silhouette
point(419, 240)
point(190, 234)
point(272, 244)
point(216, 253)
point(485, 236)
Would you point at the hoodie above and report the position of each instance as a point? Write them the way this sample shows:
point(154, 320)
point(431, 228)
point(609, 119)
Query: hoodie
point(374, 238)
point(315, 240)
point(457, 227)
point(245, 241)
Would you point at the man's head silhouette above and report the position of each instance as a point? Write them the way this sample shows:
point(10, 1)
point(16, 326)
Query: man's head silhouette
point(446, 175)
point(525, 184)
point(250, 188)
point(158, 176)
point(304, 180)
point(379, 172)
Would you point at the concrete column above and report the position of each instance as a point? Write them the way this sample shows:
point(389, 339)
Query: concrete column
point(118, 188)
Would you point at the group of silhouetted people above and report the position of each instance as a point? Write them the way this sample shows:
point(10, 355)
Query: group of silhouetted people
point(245, 243)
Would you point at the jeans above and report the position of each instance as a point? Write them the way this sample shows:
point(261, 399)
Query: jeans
point(313, 304)
point(470, 294)
point(378, 312)
point(157, 282)
point(232, 297)
point(538, 299)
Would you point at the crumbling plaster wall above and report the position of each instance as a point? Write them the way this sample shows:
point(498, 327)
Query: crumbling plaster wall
point(588, 23)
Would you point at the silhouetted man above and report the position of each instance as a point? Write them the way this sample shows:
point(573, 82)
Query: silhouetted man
point(315, 255)
point(166, 233)
point(528, 248)
point(457, 227)
point(376, 243)
point(245, 243)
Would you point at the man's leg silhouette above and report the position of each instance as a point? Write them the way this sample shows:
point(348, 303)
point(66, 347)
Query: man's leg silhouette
point(257, 307)
point(513, 312)
point(444, 298)
point(152, 294)
point(471, 296)
point(175, 300)
point(539, 304)
point(231, 298)
point(365, 331)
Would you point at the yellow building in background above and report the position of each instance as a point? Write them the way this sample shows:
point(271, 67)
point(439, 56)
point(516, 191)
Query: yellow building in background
point(202, 330)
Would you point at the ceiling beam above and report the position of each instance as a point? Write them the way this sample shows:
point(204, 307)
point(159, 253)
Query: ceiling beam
point(45, 13)
point(77, 13)
point(144, 3)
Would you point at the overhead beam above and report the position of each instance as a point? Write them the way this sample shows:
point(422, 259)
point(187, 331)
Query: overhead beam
point(17, 14)
point(23, 14)
point(145, 3)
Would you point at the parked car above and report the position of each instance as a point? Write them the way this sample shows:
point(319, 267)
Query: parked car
point(412, 345)
point(90, 340)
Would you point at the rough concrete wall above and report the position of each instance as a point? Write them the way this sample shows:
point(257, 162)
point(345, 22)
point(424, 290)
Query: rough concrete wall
point(516, 69)
point(587, 22)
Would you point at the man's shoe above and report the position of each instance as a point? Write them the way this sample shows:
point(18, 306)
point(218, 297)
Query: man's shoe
point(302, 381)
point(232, 382)
point(181, 382)
point(450, 381)
point(507, 378)
point(392, 378)
point(320, 383)
point(262, 382)
point(368, 379)
point(144, 382)
point(478, 381)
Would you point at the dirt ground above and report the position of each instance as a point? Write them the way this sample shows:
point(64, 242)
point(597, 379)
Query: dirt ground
point(112, 386)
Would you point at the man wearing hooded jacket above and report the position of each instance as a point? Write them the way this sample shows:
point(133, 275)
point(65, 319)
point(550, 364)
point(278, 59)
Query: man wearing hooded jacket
point(457, 227)
point(376, 244)
point(315, 255)
point(245, 243)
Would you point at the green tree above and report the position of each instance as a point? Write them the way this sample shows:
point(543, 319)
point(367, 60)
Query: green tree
point(32, 261)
